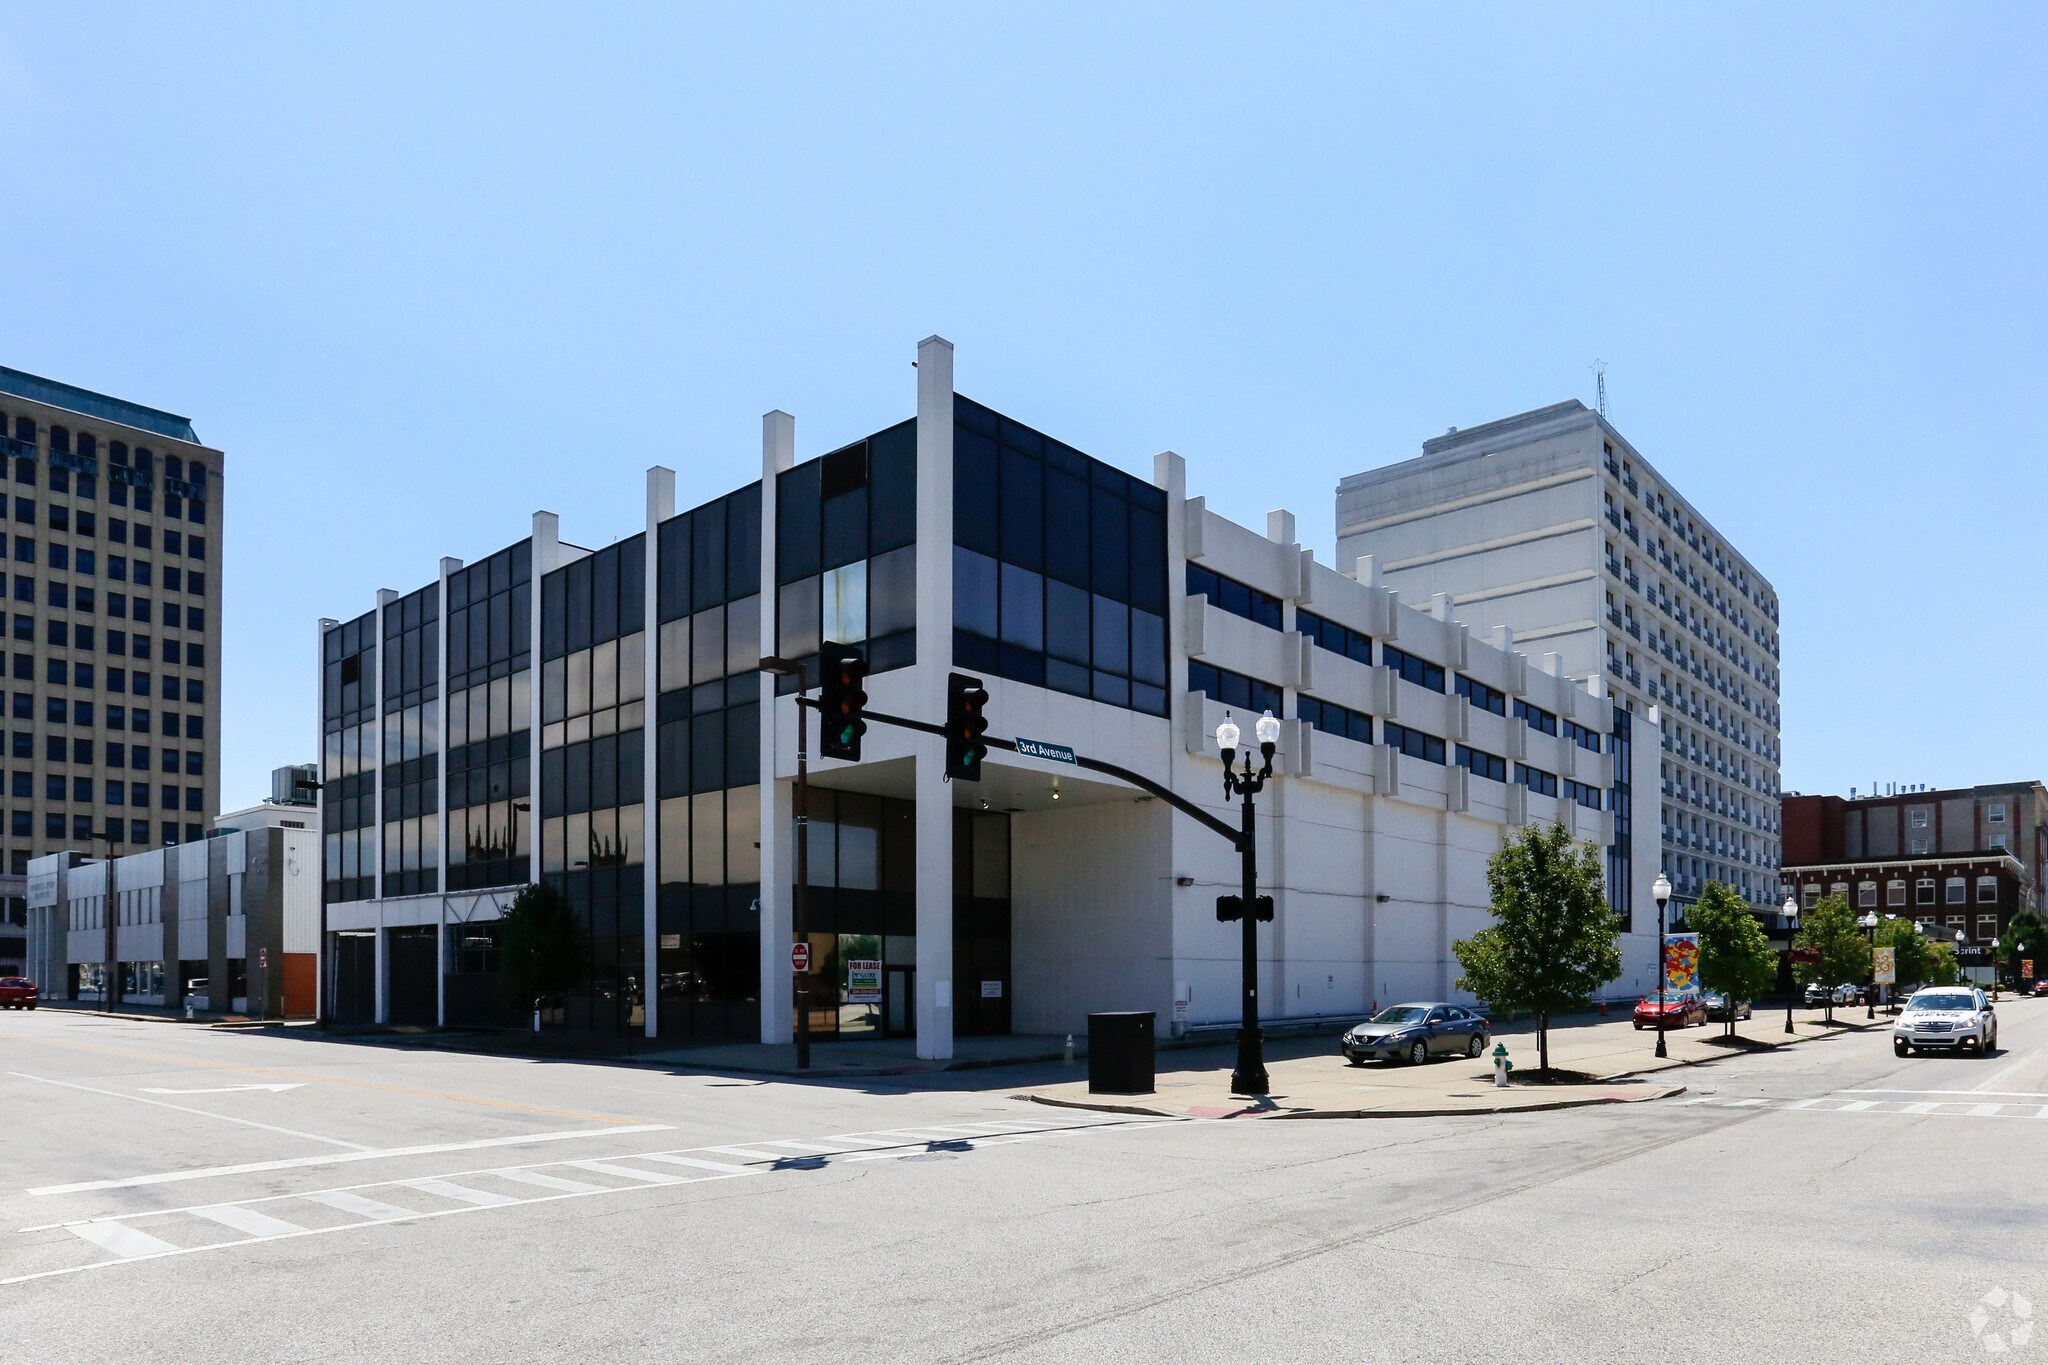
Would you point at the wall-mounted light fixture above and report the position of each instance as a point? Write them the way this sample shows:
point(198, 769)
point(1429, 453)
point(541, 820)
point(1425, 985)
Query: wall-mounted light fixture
point(1183, 881)
point(1382, 898)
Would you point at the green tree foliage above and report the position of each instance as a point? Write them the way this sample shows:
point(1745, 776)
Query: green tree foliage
point(1553, 941)
point(1942, 969)
point(1830, 927)
point(1736, 958)
point(543, 950)
point(1912, 952)
point(2025, 936)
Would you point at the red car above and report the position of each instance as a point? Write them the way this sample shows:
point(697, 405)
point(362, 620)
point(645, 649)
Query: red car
point(17, 992)
point(2041, 988)
point(1680, 1011)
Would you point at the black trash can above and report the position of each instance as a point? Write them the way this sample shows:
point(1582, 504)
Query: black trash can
point(1120, 1053)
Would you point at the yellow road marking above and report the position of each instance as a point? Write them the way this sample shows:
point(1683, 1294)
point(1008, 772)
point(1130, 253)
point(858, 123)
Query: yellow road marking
point(337, 1080)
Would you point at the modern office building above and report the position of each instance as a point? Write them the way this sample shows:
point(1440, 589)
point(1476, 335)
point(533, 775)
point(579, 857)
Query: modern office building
point(599, 719)
point(1552, 524)
point(113, 541)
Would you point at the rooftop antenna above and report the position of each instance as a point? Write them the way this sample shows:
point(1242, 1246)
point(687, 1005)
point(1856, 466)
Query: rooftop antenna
point(1599, 368)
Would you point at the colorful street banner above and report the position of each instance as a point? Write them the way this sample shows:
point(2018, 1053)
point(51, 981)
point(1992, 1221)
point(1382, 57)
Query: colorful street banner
point(2026, 969)
point(1681, 962)
point(863, 981)
point(1887, 973)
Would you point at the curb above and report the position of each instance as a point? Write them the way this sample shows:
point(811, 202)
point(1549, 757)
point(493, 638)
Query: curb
point(1665, 1093)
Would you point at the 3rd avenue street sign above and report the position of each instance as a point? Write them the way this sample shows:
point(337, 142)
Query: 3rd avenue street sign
point(1038, 748)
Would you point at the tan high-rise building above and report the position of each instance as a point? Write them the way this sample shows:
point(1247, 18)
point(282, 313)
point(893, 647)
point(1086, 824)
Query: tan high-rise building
point(112, 536)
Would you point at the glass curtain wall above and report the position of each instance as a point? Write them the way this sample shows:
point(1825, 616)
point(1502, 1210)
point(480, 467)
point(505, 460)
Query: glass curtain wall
point(593, 722)
point(1059, 565)
point(845, 553)
point(412, 743)
point(708, 770)
point(347, 759)
point(490, 689)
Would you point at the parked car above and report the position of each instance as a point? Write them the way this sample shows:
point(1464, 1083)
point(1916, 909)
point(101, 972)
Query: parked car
point(2040, 988)
point(1817, 994)
point(17, 993)
point(1414, 1031)
point(1682, 1009)
point(1848, 993)
point(1947, 1017)
point(1719, 1007)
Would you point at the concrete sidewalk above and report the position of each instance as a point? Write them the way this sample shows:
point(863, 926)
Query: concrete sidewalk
point(1620, 1058)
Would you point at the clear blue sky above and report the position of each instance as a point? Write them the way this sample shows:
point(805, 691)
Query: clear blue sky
point(423, 269)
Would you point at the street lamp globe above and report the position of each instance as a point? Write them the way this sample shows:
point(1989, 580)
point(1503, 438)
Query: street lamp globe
point(1661, 888)
point(1227, 735)
point(1267, 728)
point(1791, 908)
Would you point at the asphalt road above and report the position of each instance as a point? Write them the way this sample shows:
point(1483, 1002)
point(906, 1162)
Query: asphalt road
point(374, 1203)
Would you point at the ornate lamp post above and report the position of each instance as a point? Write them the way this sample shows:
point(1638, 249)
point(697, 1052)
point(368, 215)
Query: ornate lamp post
point(1250, 1076)
point(1791, 985)
point(1867, 921)
point(1661, 889)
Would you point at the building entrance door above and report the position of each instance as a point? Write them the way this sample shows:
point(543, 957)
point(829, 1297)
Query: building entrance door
point(899, 999)
point(355, 978)
point(415, 976)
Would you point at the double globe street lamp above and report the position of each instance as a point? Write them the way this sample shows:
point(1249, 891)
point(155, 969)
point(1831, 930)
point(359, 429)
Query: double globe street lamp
point(1250, 1076)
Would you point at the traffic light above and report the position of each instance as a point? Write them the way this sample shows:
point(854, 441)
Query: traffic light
point(841, 701)
point(1231, 908)
point(965, 726)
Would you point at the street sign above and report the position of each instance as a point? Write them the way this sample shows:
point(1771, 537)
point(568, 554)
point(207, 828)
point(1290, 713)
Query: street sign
point(263, 957)
point(1038, 748)
point(1887, 973)
point(799, 957)
point(1805, 957)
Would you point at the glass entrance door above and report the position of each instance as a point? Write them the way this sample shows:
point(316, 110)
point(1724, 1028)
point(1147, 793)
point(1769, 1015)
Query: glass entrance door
point(899, 995)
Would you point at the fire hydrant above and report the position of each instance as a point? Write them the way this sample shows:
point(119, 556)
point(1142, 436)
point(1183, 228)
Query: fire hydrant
point(1501, 1066)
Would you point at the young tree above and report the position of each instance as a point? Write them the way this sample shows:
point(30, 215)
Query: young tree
point(1735, 956)
point(1830, 928)
point(1942, 969)
point(543, 949)
point(1553, 941)
point(2025, 939)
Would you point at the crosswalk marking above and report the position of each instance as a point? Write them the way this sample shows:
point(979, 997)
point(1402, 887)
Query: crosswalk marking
point(1921, 1107)
point(247, 1221)
point(462, 1194)
point(1858, 1106)
point(628, 1172)
point(1836, 1104)
point(121, 1239)
point(375, 1209)
point(1744, 1104)
point(469, 1191)
point(542, 1180)
point(1986, 1110)
point(698, 1163)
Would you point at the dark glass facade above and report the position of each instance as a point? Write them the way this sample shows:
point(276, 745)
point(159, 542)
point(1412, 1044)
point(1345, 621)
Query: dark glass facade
point(1059, 565)
point(1620, 858)
point(846, 554)
point(708, 767)
point(349, 759)
point(490, 696)
point(412, 743)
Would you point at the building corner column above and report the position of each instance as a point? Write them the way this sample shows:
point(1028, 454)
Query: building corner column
point(934, 818)
point(661, 505)
point(778, 809)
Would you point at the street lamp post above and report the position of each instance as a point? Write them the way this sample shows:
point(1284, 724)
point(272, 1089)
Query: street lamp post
point(1661, 889)
point(111, 917)
point(1250, 1076)
point(1868, 921)
point(1994, 969)
point(1791, 985)
point(1961, 939)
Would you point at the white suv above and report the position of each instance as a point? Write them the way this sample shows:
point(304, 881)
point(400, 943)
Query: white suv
point(1947, 1017)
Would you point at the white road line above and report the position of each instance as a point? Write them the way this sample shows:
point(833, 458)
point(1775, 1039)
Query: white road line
point(550, 1182)
point(717, 1167)
point(1805, 1104)
point(367, 1154)
point(628, 1172)
point(1980, 1094)
point(247, 1221)
point(1698, 1099)
point(913, 1135)
point(1985, 1111)
point(1858, 1106)
point(1746, 1104)
point(374, 1209)
point(120, 1239)
point(819, 1147)
point(461, 1194)
point(187, 1109)
point(1922, 1107)
point(746, 1153)
point(1999, 1077)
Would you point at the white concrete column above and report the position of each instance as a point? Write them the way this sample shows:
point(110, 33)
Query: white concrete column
point(778, 810)
point(546, 557)
point(661, 505)
point(386, 598)
point(934, 661)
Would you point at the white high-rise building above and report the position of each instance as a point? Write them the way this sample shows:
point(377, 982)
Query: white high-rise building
point(1552, 524)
